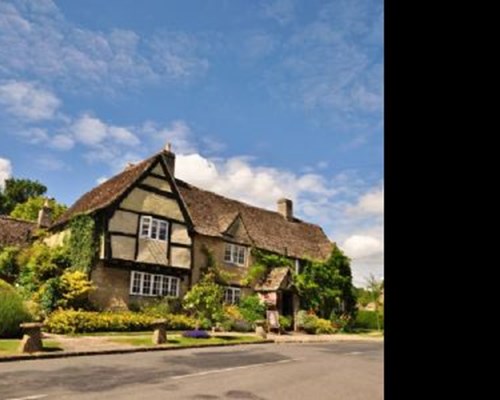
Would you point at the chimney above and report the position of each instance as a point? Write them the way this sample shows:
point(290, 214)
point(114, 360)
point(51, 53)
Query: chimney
point(45, 215)
point(169, 158)
point(285, 208)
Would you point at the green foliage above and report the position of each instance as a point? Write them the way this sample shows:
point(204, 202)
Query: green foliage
point(161, 306)
point(212, 270)
point(30, 208)
point(263, 262)
point(323, 326)
point(49, 294)
point(74, 289)
point(301, 317)
point(82, 243)
point(17, 191)
point(326, 286)
point(368, 320)
point(12, 311)
point(9, 267)
point(204, 300)
point(312, 324)
point(72, 321)
point(252, 308)
point(285, 322)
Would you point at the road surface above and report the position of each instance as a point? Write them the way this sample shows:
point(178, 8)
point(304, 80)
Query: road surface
point(340, 371)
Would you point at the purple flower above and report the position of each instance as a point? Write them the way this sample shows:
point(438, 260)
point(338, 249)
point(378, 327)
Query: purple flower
point(196, 334)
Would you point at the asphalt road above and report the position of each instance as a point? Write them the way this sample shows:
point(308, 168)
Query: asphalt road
point(348, 370)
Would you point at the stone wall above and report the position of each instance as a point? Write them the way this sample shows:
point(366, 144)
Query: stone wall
point(112, 287)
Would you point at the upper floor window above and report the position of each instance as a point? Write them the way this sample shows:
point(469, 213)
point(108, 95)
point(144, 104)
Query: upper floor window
point(235, 254)
point(144, 284)
point(153, 228)
point(232, 295)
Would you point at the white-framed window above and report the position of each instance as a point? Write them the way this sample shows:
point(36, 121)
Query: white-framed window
point(232, 295)
point(153, 228)
point(235, 254)
point(144, 284)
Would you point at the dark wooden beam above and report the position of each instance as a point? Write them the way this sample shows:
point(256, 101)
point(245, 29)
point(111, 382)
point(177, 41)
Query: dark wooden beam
point(157, 191)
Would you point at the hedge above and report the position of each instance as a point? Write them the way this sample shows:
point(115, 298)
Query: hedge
point(12, 311)
point(76, 321)
point(368, 320)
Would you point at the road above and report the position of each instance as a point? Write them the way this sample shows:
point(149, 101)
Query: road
point(346, 370)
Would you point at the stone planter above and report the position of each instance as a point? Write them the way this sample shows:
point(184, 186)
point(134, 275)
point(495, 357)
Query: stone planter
point(159, 331)
point(32, 339)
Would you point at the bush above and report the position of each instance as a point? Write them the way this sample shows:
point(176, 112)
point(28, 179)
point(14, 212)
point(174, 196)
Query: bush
point(368, 320)
point(301, 317)
point(159, 306)
point(242, 325)
point(73, 321)
point(252, 308)
point(12, 311)
point(309, 323)
point(285, 322)
point(324, 326)
point(9, 267)
point(196, 334)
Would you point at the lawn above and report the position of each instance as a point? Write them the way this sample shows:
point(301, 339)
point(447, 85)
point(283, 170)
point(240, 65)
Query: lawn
point(180, 341)
point(11, 346)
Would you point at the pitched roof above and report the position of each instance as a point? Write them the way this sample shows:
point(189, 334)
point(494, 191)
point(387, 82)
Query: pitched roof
point(15, 232)
point(268, 229)
point(273, 280)
point(108, 191)
point(213, 214)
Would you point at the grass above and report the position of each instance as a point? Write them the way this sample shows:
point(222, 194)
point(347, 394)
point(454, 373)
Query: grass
point(180, 341)
point(11, 346)
point(117, 333)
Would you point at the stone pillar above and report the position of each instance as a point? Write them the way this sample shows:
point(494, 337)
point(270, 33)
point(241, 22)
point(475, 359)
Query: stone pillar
point(32, 339)
point(260, 328)
point(160, 331)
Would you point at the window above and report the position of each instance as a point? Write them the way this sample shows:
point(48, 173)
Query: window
point(232, 295)
point(235, 254)
point(153, 228)
point(144, 284)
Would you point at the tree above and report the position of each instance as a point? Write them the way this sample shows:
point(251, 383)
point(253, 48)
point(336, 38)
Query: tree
point(18, 191)
point(326, 286)
point(30, 208)
point(375, 288)
point(204, 300)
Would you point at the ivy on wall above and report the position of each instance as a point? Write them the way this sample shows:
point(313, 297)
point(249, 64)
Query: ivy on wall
point(82, 243)
point(263, 262)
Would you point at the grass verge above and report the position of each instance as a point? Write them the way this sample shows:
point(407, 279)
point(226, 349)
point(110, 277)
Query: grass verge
point(180, 341)
point(11, 346)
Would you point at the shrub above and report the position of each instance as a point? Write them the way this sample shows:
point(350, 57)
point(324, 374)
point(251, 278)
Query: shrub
point(252, 308)
point(301, 317)
point(73, 321)
point(196, 334)
point(324, 326)
point(241, 325)
point(75, 288)
point(12, 311)
point(368, 320)
point(9, 267)
point(285, 322)
point(310, 323)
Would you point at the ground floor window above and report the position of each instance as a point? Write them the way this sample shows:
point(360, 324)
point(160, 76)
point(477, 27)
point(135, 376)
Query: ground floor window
point(232, 295)
point(144, 284)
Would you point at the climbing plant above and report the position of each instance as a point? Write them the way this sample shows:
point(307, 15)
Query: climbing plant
point(263, 262)
point(82, 243)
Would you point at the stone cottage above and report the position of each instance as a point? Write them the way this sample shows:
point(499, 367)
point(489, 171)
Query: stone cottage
point(153, 229)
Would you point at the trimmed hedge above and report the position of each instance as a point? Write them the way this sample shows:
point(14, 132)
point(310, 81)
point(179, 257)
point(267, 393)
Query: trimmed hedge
point(73, 321)
point(368, 320)
point(12, 311)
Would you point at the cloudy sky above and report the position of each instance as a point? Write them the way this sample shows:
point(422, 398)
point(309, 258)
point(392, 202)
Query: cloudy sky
point(261, 100)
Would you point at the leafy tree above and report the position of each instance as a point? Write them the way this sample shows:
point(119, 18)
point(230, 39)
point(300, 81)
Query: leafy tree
point(18, 191)
point(375, 289)
point(30, 208)
point(204, 300)
point(9, 267)
point(326, 286)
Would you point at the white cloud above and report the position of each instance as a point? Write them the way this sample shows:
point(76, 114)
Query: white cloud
point(280, 10)
point(5, 170)
point(178, 133)
point(62, 142)
point(101, 179)
point(41, 42)
point(49, 163)
point(28, 101)
point(370, 203)
point(358, 246)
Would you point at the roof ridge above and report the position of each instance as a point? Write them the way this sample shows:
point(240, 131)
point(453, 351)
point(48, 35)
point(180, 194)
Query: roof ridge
point(182, 182)
point(5, 216)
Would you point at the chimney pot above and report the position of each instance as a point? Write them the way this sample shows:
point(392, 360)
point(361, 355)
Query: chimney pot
point(45, 215)
point(169, 158)
point(285, 208)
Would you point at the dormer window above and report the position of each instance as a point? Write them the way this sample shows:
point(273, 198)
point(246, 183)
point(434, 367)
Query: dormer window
point(235, 254)
point(153, 228)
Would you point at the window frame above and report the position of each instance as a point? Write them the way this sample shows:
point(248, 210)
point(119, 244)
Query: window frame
point(234, 252)
point(232, 298)
point(153, 225)
point(172, 282)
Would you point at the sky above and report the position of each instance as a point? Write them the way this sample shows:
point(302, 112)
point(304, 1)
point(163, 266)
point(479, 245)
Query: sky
point(260, 100)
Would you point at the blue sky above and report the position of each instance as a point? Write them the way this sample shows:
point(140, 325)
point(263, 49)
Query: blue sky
point(261, 100)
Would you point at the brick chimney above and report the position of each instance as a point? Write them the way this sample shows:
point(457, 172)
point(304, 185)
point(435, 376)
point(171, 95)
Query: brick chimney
point(45, 215)
point(285, 208)
point(169, 158)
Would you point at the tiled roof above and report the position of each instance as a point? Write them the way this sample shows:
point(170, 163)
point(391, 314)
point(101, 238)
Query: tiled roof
point(273, 280)
point(15, 232)
point(212, 214)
